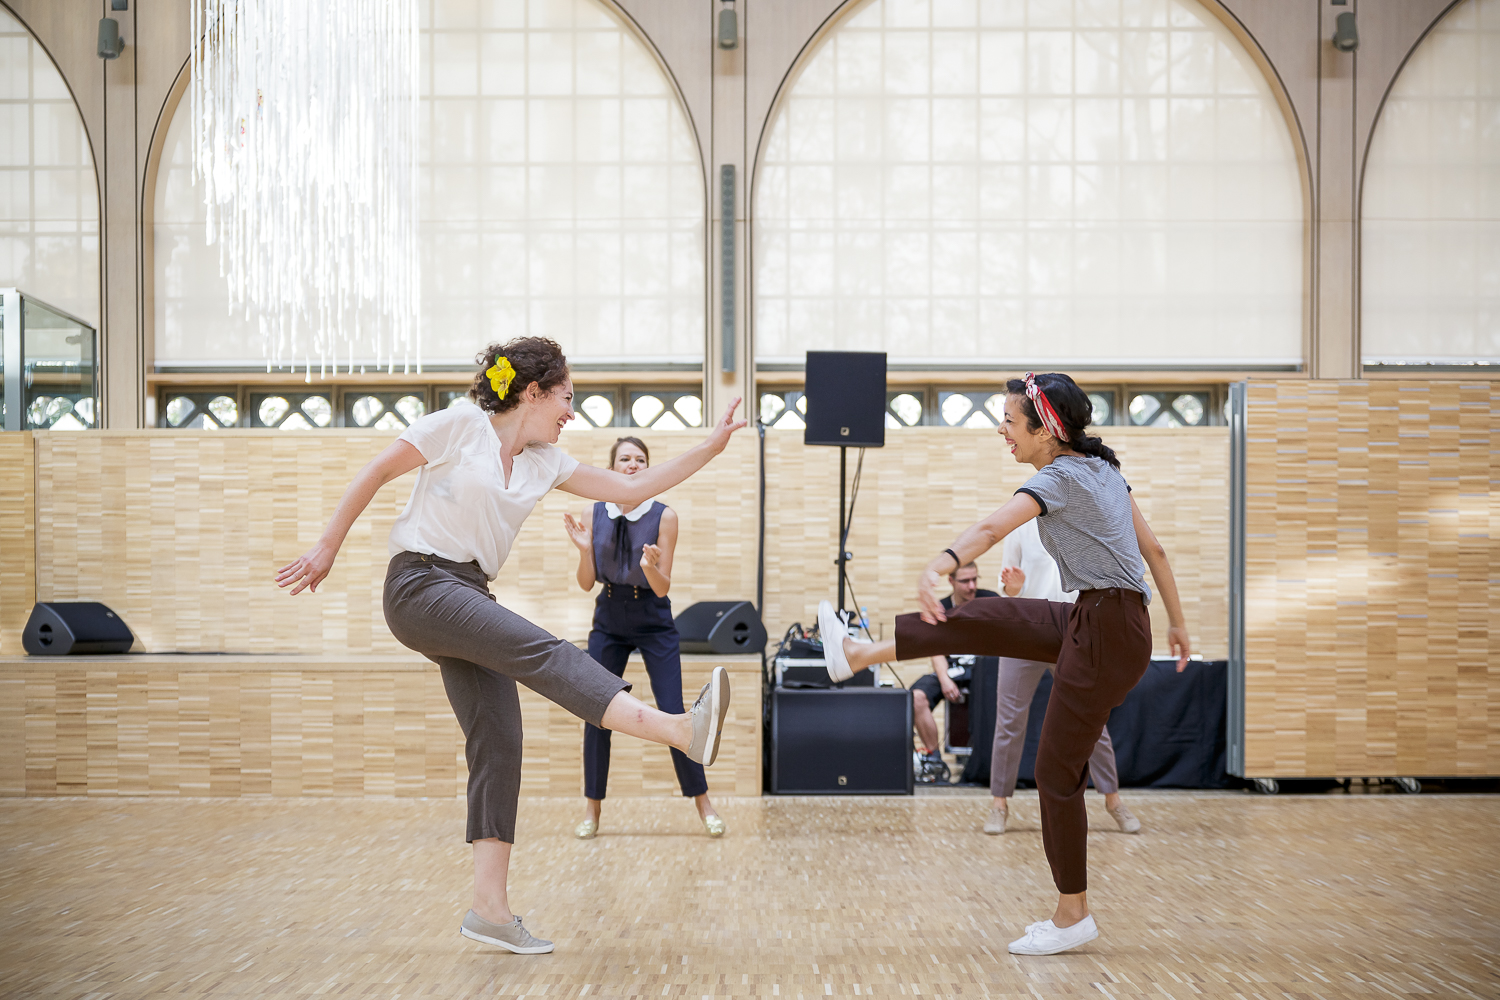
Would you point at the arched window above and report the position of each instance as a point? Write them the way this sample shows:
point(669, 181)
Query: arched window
point(49, 197)
point(1006, 184)
point(1430, 227)
point(561, 195)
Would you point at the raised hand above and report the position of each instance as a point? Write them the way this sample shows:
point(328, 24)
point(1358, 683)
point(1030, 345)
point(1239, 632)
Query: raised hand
point(727, 425)
point(650, 556)
point(928, 604)
point(582, 534)
point(1012, 576)
point(307, 571)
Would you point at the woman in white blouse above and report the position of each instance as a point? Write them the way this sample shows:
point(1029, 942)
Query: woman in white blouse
point(483, 465)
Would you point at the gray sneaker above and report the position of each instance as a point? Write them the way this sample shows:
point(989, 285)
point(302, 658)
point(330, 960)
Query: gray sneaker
point(708, 718)
point(511, 936)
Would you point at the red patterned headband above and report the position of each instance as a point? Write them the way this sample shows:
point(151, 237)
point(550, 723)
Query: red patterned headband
point(1050, 419)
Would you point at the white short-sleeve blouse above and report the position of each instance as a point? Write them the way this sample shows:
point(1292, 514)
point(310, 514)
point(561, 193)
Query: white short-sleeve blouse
point(461, 508)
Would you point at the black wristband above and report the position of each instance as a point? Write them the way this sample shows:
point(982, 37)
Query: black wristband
point(957, 562)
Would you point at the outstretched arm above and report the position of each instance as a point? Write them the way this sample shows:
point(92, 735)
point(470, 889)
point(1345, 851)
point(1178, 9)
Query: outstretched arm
point(604, 484)
point(309, 570)
point(1166, 585)
point(976, 540)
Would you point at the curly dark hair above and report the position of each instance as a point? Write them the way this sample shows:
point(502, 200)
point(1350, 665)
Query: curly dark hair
point(535, 359)
point(1073, 408)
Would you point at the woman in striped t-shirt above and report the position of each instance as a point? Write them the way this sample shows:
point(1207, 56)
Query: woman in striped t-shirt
point(1101, 644)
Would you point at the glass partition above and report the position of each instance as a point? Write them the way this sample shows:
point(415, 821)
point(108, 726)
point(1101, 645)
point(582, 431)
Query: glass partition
point(50, 366)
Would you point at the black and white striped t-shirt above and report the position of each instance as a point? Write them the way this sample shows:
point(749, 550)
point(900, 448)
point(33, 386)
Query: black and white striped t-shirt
point(1086, 524)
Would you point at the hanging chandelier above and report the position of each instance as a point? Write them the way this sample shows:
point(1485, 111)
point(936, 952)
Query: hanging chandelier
point(306, 129)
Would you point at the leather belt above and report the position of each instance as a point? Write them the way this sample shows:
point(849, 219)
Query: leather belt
point(624, 591)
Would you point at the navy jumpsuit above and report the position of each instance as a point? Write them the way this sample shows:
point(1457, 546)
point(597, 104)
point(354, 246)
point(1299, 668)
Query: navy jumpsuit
point(628, 616)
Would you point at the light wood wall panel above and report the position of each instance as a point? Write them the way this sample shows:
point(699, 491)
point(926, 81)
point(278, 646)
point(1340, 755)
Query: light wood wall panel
point(310, 726)
point(17, 537)
point(182, 531)
point(1372, 579)
point(928, 484)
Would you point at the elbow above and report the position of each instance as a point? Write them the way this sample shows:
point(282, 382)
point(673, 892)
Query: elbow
point(1155, 554)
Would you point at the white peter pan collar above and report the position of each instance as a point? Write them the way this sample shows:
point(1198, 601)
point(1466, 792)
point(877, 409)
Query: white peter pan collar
point(613, 510)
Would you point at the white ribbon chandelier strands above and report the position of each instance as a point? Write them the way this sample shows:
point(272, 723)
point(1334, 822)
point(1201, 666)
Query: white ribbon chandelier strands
point(306, 119)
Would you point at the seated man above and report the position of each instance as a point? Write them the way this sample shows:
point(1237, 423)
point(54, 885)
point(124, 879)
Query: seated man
point(949, 680)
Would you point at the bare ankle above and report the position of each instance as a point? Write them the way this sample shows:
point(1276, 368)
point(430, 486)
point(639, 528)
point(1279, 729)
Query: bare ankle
point(496, 912)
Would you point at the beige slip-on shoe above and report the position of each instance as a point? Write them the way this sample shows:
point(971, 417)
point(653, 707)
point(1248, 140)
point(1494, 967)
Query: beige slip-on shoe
point(1128, 822)
point(996, 821)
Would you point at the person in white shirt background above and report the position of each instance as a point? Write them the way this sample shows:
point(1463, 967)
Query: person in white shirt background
point(1028, 571)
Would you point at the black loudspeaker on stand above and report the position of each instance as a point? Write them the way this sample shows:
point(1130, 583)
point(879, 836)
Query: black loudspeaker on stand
point(845, 407)
point(77, 627)
point(721, 627)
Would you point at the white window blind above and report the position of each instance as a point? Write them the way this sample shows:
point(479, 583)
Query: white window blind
point(49, 198)
point(561, 195)
point(1002, 182)
point(1430, 232)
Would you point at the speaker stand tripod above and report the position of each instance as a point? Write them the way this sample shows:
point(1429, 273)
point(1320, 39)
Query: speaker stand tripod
point(844, 517)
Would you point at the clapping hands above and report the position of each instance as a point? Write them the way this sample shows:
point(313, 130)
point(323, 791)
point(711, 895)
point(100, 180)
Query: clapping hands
point(1012, 577)
point(582, 534)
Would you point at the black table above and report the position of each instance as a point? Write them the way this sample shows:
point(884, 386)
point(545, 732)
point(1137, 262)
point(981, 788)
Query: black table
point(1169, 733)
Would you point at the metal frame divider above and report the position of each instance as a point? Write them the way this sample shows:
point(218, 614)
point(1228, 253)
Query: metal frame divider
point(1234, 723)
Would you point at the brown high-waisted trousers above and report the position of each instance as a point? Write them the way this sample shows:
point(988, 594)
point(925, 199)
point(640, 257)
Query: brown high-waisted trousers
point(1101, 645)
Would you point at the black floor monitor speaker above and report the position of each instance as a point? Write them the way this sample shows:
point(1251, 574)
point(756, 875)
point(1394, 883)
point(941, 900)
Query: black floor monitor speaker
point(849, 742)
point(59, 629)
point(721, 627)
point(845, 398)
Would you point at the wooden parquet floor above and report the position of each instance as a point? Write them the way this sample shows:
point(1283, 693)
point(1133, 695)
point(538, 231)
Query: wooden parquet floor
point(1222, 895)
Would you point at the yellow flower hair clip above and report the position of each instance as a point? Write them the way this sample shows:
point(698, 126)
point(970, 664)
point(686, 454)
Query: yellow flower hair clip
point(500, 375)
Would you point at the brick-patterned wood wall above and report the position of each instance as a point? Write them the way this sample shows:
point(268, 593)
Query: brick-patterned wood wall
point(17, 537)
point(928, 484)
point(318, 726)
point(181, 532)
point(1372, 579)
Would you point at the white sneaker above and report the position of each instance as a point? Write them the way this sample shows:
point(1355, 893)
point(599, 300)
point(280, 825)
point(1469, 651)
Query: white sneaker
point(1046, 938)
point(833, 631)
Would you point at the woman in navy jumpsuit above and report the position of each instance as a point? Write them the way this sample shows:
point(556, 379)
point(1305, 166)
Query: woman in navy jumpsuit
point(629, 550)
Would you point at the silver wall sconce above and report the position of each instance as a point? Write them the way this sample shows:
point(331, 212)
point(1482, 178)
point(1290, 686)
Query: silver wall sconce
point(729, 26)
point(1345, 34)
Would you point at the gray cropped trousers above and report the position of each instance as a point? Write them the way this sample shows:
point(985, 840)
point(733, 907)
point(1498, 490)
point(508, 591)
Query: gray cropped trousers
point(445, 611)
point(1013, 692)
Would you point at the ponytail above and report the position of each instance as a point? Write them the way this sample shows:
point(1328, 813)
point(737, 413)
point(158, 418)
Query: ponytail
point(1093, 447)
